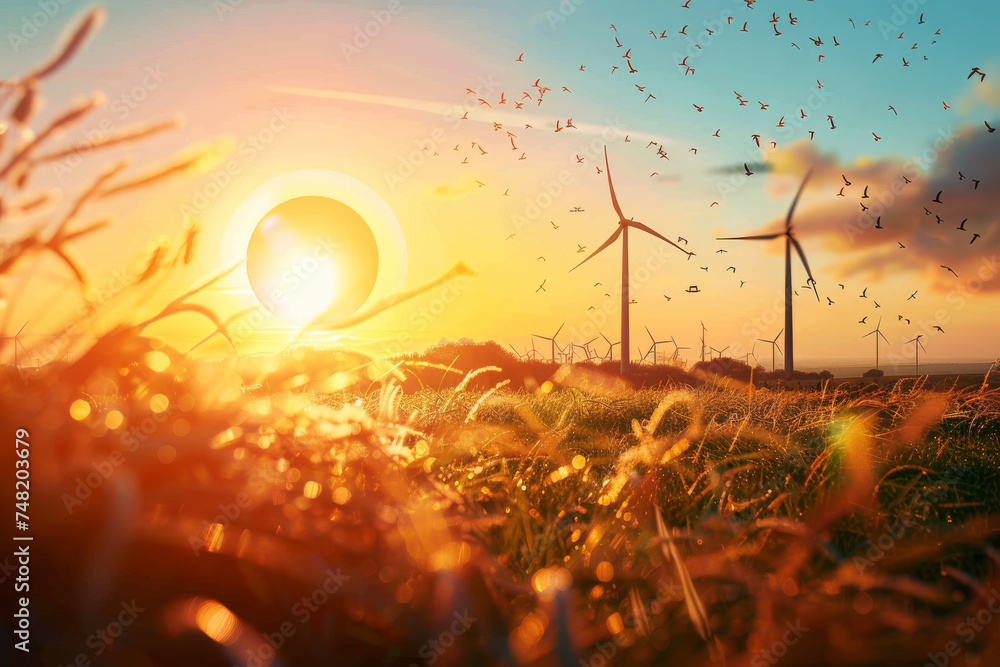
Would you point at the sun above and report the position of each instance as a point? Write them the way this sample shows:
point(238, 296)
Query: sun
point(318, 246)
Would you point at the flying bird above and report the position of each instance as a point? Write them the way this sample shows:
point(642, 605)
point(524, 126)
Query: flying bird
point(949, 270)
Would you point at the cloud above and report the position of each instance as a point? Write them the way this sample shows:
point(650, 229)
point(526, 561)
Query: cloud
point(453, 190)
point(908, 213)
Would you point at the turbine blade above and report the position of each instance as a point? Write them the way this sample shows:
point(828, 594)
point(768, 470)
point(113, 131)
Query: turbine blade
point(614, 199)
point(883, 337)
point(791, 210)
point(802, 256)
point(869, 334)
point(21, 329)
point(760, 237)
point(611, 239)
point(558, 330)
point(647, 331)
point(649, 230)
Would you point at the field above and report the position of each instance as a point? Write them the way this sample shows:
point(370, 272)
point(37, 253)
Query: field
point(578, 521)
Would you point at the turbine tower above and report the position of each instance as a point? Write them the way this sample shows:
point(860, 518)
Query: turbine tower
point(623, 227)
point(790, 241)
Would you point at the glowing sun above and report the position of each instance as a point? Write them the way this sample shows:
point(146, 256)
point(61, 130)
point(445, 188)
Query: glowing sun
point(318, 245)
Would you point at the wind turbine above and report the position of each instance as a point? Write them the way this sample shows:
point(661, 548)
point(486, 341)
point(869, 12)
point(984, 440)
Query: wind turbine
point(677, 349)
point(919, 346)
point(17, 344)
point(611, 348)
point(877, 333)
point(719, 352)
point(552, 339)
point(703, 342)
point(774, 347)
point(655, 343)
point(790, 241)
point(622, 230)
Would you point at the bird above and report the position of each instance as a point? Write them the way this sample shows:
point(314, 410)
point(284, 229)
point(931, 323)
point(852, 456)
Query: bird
point(961, 227)
point(747, 169)
point(975, 184)
point(700, 109)
point(893, 110)
point(862, 320)
point(974, 237)
point(878, 223)
point(542, 258)
point(863, 294)
point(841, 193)
point(975, 71)
point(877, 56)
point(742, 283)
point(945, 105)
point(939, 328)
point(781, 123)
point(732, 268)
point(542, 286)
point(865, 195)
point(720, 251)
point(877, 138)
point(949, 270)
point(901, 245)
point(937, 199)
point(876, 304)
point(717, 132)
point(554, 225)
point(846, 182)
point(829, 301)
point(518, 59)
point(990, 129)
point(913, 296)
point(510, 237)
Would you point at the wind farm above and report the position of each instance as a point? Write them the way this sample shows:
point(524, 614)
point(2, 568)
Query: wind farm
point(323, 352)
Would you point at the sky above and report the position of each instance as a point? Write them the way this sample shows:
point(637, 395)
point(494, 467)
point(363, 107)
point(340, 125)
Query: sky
point(363, 89)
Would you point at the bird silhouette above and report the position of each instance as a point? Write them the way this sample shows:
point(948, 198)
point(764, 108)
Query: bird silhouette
point(937, 199)
point(949, 270)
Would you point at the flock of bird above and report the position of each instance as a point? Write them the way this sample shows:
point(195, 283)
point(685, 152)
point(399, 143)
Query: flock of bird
point(627, 65)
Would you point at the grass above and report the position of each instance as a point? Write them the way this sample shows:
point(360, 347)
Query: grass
point(864, 516)
point(445, 509)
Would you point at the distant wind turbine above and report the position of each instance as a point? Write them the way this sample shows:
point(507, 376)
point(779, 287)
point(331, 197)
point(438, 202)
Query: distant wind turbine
point(790, 241)
point(552, 339)
point(703, 342)
point(877, 333)
point(916, 349)
point(774, 347)
point(655, 343)
point(17, 344)
point(677, 349)
point(719, 352)
point(622, 230)
point(611, 348)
